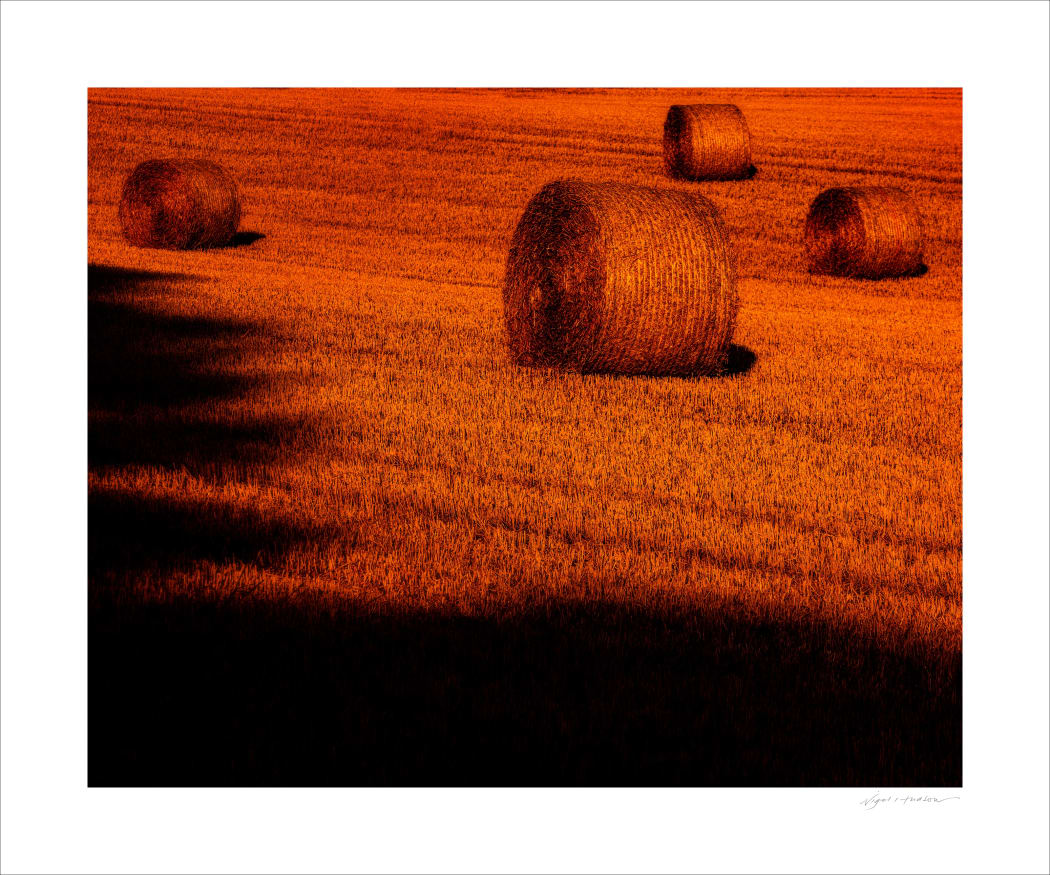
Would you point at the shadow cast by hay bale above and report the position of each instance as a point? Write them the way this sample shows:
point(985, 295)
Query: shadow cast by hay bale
point(739, 361)
point(920, 271)
point(678, 176)
point(243, 238)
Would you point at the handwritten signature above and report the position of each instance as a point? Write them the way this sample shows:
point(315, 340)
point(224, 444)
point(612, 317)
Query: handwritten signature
point(875, 800)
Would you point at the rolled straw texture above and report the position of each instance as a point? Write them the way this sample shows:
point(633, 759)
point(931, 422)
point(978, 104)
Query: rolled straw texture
point(707, 141)
point(179, 204)
point(872, 232)
point(612, 278)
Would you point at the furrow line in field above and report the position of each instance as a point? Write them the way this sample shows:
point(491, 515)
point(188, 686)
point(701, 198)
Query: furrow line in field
point(860, 533)
point(865, 171)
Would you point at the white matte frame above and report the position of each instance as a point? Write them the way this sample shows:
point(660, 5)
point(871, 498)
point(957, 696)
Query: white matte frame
point(51, 54)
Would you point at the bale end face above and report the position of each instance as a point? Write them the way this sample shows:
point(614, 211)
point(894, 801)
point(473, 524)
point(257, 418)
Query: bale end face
point(179, 204)
point(707, 142)
point(608, 278)
point(864, 232)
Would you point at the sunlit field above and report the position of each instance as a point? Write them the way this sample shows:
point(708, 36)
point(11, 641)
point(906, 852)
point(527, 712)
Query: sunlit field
point(337, 537)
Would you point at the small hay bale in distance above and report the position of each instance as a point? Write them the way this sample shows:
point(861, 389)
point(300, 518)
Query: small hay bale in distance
point(620, 279)
point(179, 204)
point(870, 232)
point(707, 141)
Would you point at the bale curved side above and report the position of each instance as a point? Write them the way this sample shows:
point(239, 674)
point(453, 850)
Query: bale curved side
point(870, 232)
point(179, 204)
point(612, 278)
point(707, 141)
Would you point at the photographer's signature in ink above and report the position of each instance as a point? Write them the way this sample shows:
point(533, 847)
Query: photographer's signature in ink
point(876, 799)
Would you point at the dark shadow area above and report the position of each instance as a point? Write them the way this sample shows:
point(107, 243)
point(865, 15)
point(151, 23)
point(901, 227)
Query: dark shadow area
point(192, 444)
point(739, 361)
point(104, 280)
point(138, 356)
point(233, 689)
point(243, 238)
point(159, 388)
point(677, 173)
point(129, 532)
point(247, 693)
point(845, 273)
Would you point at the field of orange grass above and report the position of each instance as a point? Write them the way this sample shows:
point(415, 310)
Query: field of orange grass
point(336, 537)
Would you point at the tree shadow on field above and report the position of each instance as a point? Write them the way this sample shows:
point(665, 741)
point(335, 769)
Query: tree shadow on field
point(139, 356)
point(194, 445)
point(128, 532)
point(159, 384)
point(160, 388)
point(250, 693)
point(104, 281)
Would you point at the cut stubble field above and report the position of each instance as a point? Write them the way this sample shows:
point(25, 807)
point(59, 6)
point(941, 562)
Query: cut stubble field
point(337, 537)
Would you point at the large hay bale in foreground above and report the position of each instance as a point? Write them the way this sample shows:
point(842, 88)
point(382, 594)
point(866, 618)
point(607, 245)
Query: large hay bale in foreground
point(179, 204)
point(612, 278)
point(872, 232)
point(707, 141)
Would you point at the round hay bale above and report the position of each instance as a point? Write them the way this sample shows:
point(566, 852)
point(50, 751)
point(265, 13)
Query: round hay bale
point(872, 232)
point(707, 141)
point(179, 204)
point(620, 279)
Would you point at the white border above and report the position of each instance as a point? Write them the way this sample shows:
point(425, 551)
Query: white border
point(52, 52)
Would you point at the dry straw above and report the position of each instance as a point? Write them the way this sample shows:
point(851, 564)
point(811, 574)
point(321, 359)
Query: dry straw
point(871, 232)
point(179, 204)
point(620, 279)
point(707, 141)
